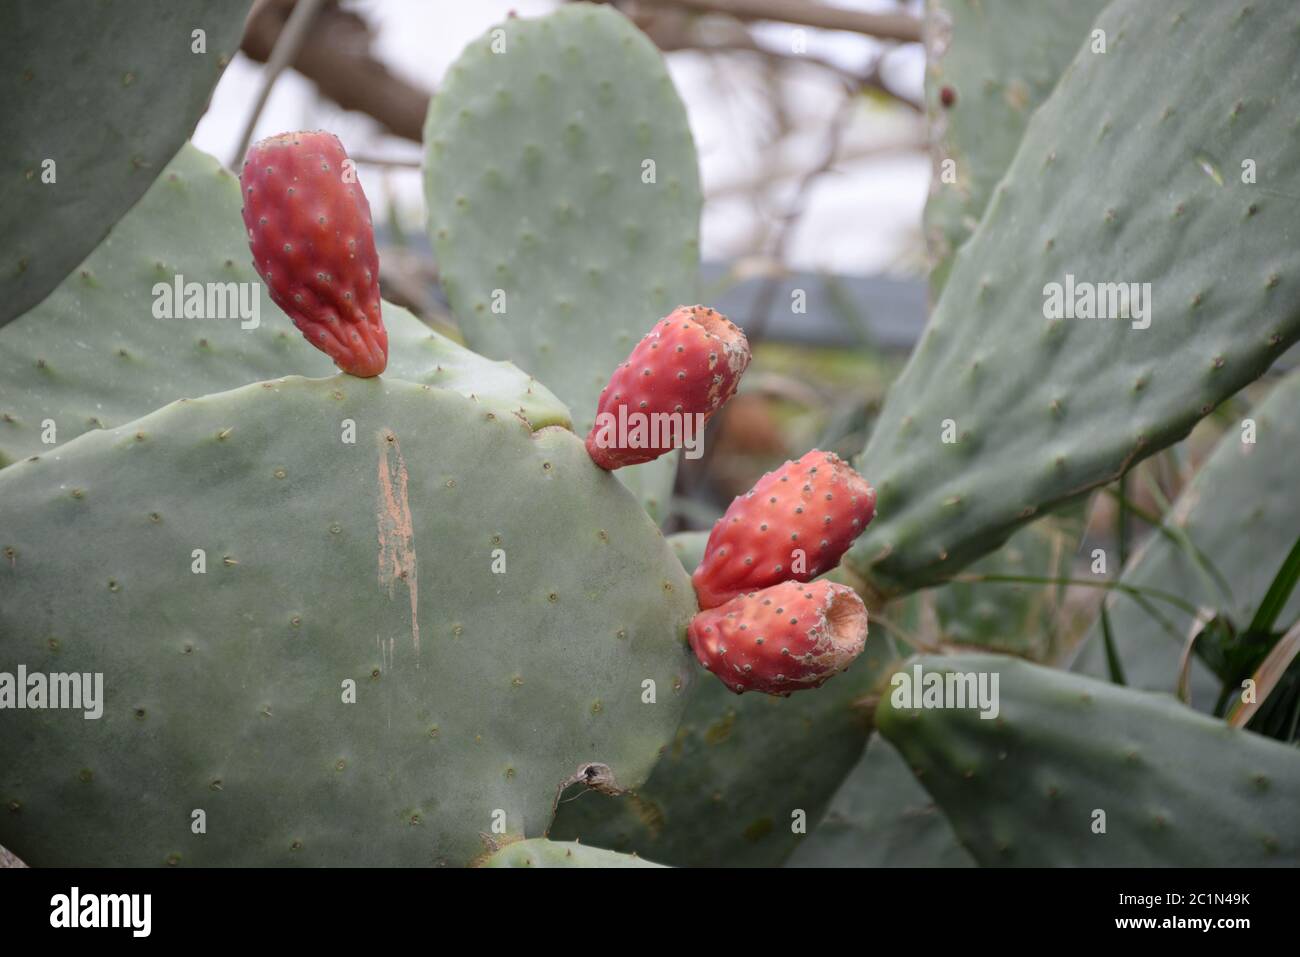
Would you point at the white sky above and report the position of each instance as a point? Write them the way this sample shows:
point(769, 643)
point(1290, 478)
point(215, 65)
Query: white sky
point(863, 217)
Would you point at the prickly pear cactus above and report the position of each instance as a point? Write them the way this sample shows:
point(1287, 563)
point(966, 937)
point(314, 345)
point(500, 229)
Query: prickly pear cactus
point(540, 852)
point(1018, 618)
point(881, 817)
point(385, 648)
point(989, 66)
point(1240, 513)
point(98, 97)
point(1002, 411)
point(747, 776)
point(1075, 772)
point(96, 352)
point(564, 202)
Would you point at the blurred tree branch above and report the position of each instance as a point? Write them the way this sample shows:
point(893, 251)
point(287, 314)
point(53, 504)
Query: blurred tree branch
point(778, 251)
point(885, 26)
point(287, 45)
point(871, 80)
point(674, 27)
point(335, 51)
point(335, 55)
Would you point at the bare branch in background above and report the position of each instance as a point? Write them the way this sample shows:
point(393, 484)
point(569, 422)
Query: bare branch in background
point(335, 55)
point(287, 45)
point(885, 26)
point(870, 80)
point(766, 297)
point(673, 28)
point(335, 51)
point(744, 186)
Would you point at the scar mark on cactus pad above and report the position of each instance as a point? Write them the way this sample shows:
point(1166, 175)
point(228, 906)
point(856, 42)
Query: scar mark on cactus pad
point(397, 560)
point(593, 775)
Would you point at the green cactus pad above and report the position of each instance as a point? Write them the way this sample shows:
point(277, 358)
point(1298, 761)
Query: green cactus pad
point(739, 767)
point(1018, 618)
point(537, 204)
point(540, 852)
point(1177, 788)
point(881, 817)
point(1240, 512)
point(998, 61)
point(742, 772)
point(478, 693)
point(689, 548)
point(107, 91)
point(1131, 171)
point(93, 355)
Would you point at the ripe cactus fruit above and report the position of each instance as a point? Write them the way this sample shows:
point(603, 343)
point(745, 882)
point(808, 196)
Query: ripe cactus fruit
point(313, 243)
point(680, 373)
point(785, 638)
point(795, 523)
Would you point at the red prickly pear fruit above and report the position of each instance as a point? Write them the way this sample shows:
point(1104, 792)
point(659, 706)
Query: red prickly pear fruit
point(679, 374)
point(314, 245)
point(795, 523)
point(781, 639)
